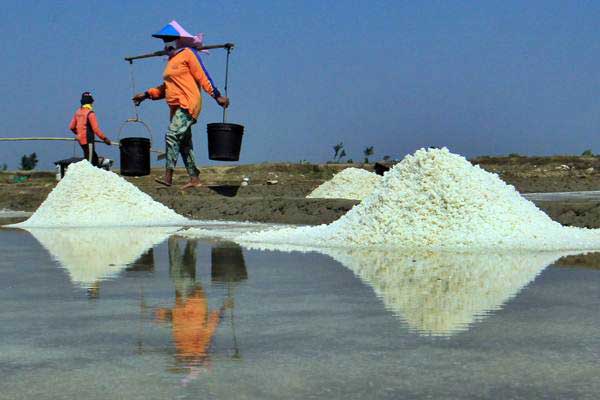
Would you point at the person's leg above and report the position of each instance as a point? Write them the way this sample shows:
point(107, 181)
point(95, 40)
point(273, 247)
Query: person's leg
point(94, 155)
point(186, 148)
point(87, 154)
point(177, 128)
point(187, 154)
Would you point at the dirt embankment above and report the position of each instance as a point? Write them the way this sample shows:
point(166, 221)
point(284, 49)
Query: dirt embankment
point(276, 192)
point(545, 174)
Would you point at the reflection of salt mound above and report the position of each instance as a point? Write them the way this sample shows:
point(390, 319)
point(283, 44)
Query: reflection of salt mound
point(89, 196)
point(4, 213)
point(92, 255)
point(440, 293)
point(435, 199)
point(351, 183)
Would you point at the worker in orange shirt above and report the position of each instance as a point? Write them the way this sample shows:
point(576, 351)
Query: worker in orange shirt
point(85, 125)
point(183, 77)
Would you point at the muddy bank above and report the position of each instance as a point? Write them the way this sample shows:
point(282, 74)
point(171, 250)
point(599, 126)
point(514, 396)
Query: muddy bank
point(545, 174)
point(277, 210)
point(276, 192)
point(590, 260)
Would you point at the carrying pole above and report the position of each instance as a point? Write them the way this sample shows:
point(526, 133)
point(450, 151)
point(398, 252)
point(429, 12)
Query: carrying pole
point(19, 139)
point(161, 53)
point(64, 139)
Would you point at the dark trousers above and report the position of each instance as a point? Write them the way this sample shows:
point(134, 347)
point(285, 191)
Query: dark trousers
point(89, 152)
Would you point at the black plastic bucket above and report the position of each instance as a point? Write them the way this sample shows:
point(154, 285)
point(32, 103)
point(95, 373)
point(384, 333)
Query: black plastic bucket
point(224, 141)
point(135, 156)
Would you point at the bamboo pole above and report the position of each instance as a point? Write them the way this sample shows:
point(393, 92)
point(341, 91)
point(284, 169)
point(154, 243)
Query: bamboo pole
point(35, 138)
point(161, 53)
point(66, 139)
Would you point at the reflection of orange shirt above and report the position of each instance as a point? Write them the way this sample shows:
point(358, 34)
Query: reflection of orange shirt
point(193, 325)
point(183, 77)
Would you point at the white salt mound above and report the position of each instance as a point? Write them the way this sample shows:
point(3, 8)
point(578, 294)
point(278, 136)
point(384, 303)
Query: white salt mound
point(351, 183)
point(92, 197)
point(438, 200)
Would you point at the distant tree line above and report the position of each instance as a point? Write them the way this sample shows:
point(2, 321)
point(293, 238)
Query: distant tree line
point(28, 162)
point(339, 153)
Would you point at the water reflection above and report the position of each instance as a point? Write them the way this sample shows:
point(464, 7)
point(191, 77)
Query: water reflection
point(193, 324)
point(92, 255)
point(229, 268)
point(143, 264)
point(440, 294)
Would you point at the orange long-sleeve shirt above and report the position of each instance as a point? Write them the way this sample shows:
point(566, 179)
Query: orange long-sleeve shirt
point(183, 77)
point(84, 125)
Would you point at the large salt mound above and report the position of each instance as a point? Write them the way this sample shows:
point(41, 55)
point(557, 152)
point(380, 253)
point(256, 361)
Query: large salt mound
point(351, 183)
point(91, 197)
point(438, 200)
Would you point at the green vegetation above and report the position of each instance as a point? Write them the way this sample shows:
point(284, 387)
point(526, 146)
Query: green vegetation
point(28, 162)
point(339, 152)
point(587, 153)
point(4, 167)
point(514, 155)
point(368, 151)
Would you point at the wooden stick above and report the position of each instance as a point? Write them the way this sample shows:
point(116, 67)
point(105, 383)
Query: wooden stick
point(35, 138)
point(67, 139)
point(161, 53)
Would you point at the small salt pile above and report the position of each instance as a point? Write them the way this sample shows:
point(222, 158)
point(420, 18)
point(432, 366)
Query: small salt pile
point(351, 183)
point(438, 200)
point(91, 197)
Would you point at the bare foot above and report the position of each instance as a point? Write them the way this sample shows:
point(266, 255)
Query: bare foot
point(190, 185)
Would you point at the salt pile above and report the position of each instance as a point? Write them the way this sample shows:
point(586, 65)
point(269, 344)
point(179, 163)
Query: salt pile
point(351, 183)
point(438, 200)
point(441, 294)
point(89, 196)
point(91, 255)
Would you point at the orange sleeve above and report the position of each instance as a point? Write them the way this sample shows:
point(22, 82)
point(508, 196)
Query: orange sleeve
point(94, 125)
point(157, 93)
point(201, 75)
point(73, 125)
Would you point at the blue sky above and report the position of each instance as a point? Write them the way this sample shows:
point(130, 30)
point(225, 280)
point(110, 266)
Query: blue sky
point(488, 77)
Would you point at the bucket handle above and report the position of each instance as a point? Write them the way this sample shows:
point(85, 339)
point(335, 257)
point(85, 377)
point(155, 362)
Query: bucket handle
point(138, 121)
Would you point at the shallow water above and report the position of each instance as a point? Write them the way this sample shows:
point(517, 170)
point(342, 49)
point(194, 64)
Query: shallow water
point(134, 314)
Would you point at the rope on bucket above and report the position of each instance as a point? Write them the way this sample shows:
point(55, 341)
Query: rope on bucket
point(135, 119)
point(132, 78)
point(226, 79)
